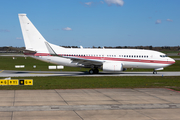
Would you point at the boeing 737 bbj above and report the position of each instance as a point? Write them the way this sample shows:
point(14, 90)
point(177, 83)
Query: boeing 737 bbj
point(112, 60)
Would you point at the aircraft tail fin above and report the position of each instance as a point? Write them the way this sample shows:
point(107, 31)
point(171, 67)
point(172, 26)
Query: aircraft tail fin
point(33, 39)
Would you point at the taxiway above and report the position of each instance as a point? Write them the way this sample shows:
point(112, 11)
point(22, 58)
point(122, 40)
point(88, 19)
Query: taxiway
point(14, 73)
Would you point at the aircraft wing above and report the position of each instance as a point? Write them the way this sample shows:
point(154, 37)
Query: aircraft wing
point(84, 61)
point(78, 60)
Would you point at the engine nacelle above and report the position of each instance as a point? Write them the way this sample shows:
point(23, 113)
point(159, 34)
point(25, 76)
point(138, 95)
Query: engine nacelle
point(112, 66)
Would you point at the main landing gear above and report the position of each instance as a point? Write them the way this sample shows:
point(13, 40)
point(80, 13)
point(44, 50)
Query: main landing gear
point(94, 71)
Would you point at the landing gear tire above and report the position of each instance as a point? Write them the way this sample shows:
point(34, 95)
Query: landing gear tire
point(91, 71)
point(154, 72)
point(96, 71)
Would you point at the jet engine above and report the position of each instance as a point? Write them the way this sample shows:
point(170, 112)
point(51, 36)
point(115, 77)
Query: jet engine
point(112, 66)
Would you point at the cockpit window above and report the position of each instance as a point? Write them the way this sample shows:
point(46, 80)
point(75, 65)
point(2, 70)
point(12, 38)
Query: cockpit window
point(163, 55)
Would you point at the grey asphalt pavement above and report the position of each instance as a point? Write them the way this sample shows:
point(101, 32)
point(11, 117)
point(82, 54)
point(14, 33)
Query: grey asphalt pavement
point(14, 73)
point(90, 104)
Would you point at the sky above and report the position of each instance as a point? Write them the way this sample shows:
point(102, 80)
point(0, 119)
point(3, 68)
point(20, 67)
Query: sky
point(94, 22)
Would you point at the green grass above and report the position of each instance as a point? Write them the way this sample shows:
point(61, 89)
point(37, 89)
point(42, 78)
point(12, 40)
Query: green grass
point(8, 63)
point(58, 82)
point(175, 56)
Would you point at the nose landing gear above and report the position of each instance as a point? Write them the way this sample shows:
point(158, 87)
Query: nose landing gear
point(154, 72)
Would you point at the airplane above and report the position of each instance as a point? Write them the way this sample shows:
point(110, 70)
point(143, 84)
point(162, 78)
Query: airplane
point(111, 60)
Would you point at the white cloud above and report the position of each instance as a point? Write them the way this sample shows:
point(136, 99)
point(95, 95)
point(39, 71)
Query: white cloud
point(158, 21)
point(19, 38)
point(67, 28)
point(91, 3)
point(116, 2)
point(169, 20)
point(88, 3)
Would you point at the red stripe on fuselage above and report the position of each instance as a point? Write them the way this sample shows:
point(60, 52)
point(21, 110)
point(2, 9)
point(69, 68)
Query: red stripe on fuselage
point(42, 54)
point(127, 60)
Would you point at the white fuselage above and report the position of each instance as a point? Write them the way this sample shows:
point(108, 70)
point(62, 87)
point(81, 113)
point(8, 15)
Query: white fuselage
point(130, 58)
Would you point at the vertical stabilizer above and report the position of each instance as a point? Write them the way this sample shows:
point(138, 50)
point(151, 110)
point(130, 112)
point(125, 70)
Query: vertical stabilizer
point(32, 38)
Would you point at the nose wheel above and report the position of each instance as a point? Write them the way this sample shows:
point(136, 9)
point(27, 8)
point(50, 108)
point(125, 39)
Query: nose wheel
point(154, 72)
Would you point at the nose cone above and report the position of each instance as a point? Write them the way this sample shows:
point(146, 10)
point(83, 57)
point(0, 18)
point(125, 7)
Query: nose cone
point(171, 61)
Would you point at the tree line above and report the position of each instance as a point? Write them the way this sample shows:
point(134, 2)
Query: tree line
point(163, 48)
